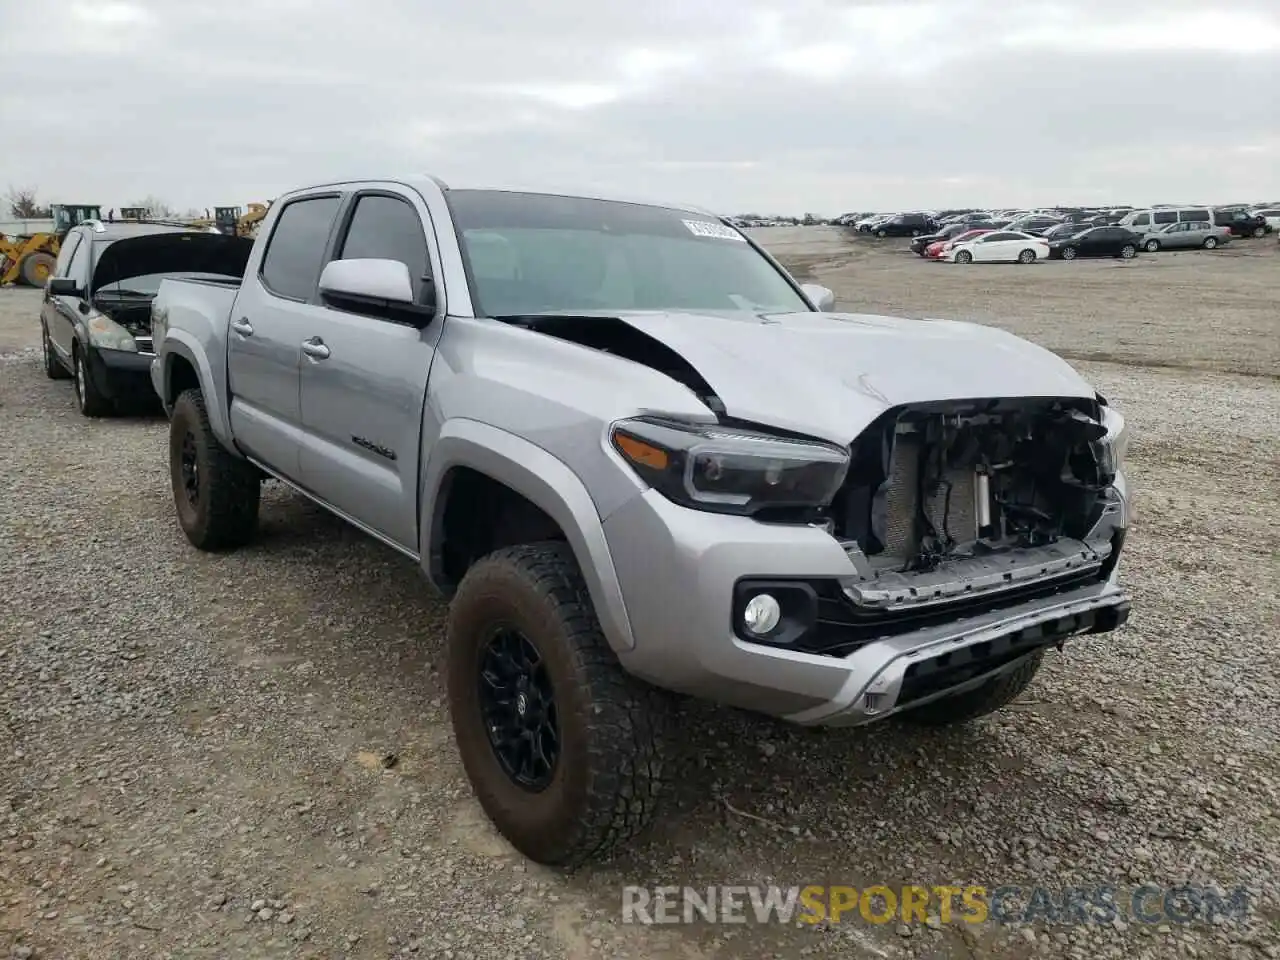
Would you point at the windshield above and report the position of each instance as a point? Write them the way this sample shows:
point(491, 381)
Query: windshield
point(533, 253)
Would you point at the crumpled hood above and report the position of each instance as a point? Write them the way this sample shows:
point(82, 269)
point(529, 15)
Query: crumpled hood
point(830, 375)
point(172, 252)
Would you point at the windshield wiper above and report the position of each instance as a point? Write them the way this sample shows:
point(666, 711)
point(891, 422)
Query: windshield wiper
point(124, 292)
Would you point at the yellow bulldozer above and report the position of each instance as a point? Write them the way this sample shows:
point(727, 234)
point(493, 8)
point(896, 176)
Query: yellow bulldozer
point(29, 257)
point(233, 220)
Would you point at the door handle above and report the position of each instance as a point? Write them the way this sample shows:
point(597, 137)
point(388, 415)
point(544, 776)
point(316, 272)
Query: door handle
point(315, 348)
point(242, 327)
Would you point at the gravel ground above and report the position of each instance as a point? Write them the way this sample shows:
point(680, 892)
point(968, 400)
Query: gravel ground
point(249, 756)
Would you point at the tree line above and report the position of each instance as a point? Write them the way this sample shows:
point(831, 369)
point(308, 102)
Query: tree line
point(23, 204)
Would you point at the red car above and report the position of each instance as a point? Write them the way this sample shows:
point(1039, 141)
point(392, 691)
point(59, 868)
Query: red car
point(935, 251)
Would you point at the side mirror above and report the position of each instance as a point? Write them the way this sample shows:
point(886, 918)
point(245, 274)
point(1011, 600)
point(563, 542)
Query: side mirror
point(63, 287)
point(380, 288)
point(821, 297)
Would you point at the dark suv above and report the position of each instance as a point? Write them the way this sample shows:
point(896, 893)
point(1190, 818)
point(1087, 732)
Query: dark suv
point(906, 225)
point(1241, 222)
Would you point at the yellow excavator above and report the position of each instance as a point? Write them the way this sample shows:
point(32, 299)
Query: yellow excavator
point(235, 221)
point(30, 257)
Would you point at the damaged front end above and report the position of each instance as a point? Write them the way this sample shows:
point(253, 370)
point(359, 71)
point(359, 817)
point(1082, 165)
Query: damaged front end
point(959, 507)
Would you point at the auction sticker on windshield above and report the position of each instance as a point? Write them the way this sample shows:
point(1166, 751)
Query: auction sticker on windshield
point(718, 231)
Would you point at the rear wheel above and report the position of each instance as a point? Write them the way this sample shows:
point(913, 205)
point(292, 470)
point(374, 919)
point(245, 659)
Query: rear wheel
point(964, 256)
point(562, 747)
point(53, 368)
point(215, 492)
point(1210, 242)
point(36, 268)
point(988, 698)
point(1027, 256)
point(1128, 251)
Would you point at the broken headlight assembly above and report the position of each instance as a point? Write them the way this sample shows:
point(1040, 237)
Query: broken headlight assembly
point(1117, 437)
point(730, 470)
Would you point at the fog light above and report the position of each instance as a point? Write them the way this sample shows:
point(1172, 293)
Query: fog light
point(761, 614)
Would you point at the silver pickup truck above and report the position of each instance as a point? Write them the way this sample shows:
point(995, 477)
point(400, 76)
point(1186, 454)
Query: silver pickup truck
point(640, 458)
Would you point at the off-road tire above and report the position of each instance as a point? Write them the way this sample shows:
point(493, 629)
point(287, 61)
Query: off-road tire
point(225, 514)
point(612, 728)
point(89, 399)
point(53, 368)
point(36, 268)
point(988, 698)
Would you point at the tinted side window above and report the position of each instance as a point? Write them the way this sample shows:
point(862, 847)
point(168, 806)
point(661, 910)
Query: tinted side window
point(384, 228)
point(296, 249)
point(1196, 215)
point(64, 255)
point(1141, 220)
point(1165, 216)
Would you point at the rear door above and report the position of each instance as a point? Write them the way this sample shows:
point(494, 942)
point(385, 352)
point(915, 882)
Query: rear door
point(362, 400)
point(274, 312)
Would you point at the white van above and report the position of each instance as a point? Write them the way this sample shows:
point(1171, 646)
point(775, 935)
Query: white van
point(1150, 220)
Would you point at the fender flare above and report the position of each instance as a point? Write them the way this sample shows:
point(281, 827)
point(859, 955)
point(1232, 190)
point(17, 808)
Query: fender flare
point(545, 481)
point(178, 344)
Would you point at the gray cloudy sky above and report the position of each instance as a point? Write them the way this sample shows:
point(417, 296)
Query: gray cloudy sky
point(823, 105)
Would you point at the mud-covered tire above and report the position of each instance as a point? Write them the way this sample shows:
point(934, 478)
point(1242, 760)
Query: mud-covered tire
point(223, 513)
point(36, 268)
point(53, 368)
point(89, 399)
point(988, 698)
point(605, 782)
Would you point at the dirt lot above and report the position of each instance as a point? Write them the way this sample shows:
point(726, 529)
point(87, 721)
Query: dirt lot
point(183, 735)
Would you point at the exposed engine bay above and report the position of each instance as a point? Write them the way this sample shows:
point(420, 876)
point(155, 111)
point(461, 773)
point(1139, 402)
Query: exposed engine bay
point(133, 315)
point(951, 498)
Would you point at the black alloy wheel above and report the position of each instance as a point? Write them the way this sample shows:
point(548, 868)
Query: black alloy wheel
point(189, 465)
point(519, 709)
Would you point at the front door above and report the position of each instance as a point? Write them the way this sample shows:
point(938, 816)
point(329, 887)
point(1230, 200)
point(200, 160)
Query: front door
point(59, 313)
point(273, 313)
point(364, 381)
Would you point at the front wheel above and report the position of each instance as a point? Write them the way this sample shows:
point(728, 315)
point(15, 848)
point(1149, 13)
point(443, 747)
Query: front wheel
point(988, 698)
point(89, 399)
point(1128, 251)
point(1210, 242)
point(1151, 246)
point(1027, 256)
point(964, 256)
point(881, 234)
point(1259, 231)
point(215, 492)
point(1068, 253)
point(562, 747)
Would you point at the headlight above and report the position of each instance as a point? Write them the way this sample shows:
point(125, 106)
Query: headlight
point(730, 470)
point(109, 335)
point(1117, 435)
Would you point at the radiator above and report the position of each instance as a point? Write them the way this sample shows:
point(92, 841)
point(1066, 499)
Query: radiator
point(900, 540)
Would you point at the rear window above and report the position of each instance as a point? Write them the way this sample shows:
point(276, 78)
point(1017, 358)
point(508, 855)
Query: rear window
point(295, 252)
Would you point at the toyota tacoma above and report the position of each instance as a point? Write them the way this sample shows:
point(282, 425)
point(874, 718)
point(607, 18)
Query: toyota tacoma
point(640, 458)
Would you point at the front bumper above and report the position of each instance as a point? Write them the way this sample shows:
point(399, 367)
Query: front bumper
point(678, 569)
point(120, 374)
